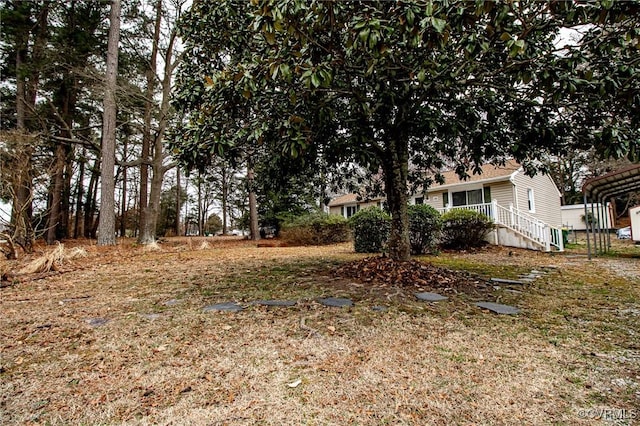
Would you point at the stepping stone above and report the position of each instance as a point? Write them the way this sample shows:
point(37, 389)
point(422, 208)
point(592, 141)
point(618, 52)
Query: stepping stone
point(276, 302)
point(152, 317)
point(336, 302)
point(505, 281)
point(498, 308)
point(527, 280)
point(225, 307)
point(535, 271)
point(529, 276)
point(96, 322)
point(430, 297)
point(171, 302)
point(379, 308)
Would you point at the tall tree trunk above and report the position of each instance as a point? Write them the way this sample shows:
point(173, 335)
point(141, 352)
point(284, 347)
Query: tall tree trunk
point(253, 205)
point(200, 207)
point(123, 200)
point(396, 167)
point(27, 82)
point(56, 195)
point(79, 193)
point(65, 201)
point(90, 203)
point(146, 135)
point(147, 232)
point(225, 195)
point(178, 195)
point(106, 230)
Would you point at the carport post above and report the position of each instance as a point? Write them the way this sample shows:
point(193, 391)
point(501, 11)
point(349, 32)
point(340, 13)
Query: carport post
point(596, 249)
point(586, 228)
point(609, 225)
point(598, 227)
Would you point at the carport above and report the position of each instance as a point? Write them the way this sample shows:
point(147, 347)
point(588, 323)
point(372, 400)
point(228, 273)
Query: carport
point(600, 190)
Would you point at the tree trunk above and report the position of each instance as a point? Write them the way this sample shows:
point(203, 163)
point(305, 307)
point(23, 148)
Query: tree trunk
point(178, 195)
point(56, 195)
point(79, 194)
point(146, 135)
point(27, 82)
point(225, 194)
point(123, 200)
point(253, 206)
point(106, 230)
point(200, 207)
point(395, 167)
point(90, 203)
point(148, 231)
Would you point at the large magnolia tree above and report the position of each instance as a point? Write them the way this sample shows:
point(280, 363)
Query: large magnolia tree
point(410, 85)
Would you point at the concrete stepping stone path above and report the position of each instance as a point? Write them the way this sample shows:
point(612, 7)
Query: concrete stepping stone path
point(498, 308)
point(96, 322)
point(336, 302)
point(223, 307)
point(281, 303)
point(430, 297)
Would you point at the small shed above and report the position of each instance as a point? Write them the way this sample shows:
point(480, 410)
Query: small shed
point(634, 215)
point(573, 216)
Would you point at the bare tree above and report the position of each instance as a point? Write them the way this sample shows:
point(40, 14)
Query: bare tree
point(158, 154)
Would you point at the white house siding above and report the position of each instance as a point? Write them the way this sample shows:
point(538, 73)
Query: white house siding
point(502, 192)
point(434, 199)
point(546, 197)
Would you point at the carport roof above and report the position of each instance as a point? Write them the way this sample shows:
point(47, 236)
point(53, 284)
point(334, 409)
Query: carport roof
point(615, 183)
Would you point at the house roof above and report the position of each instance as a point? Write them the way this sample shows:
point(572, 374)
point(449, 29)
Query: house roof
point(350, 199)
point(490, 173)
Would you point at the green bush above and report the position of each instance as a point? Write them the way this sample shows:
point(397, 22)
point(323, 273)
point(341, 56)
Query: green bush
point(425, 226)
point(462, 229)
point(315, 229)
point(371, 228)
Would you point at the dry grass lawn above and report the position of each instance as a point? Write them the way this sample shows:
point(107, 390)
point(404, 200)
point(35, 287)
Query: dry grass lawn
point(120, 337)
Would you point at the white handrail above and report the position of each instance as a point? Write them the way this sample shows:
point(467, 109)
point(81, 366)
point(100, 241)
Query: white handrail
point(529, 226)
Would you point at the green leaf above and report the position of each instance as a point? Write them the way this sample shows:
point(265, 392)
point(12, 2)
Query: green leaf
point(438, 24)
point(364, 35)
point(315, 80)
point(410, 17)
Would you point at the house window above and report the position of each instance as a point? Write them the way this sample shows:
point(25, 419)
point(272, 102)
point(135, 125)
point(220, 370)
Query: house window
point(530, 200)
point(445, 199)
point(419, 200)
point(487, 194)
point(464, 198)
point(351, 210)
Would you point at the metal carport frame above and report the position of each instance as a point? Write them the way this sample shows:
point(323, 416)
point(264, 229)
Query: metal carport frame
point(598, 191)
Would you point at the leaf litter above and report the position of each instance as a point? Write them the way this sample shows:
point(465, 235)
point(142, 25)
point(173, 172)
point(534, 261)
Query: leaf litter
point(359, 366)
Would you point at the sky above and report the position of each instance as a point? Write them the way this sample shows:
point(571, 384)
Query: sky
point(5, 212)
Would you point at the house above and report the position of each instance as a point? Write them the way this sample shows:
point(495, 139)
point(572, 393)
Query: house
point(526, 210)
point(347, 205)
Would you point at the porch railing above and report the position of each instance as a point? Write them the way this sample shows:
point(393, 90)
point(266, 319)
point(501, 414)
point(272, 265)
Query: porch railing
point(524, 224)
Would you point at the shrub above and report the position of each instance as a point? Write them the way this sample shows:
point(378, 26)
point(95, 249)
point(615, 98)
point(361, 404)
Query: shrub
point(371, 228)
point(315, 229)
point(462, 229)
point(425, 226)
